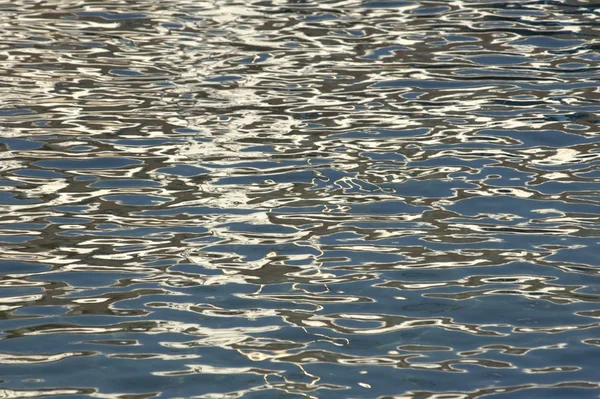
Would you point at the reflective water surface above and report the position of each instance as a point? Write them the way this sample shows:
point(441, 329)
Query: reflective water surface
point(296, 199)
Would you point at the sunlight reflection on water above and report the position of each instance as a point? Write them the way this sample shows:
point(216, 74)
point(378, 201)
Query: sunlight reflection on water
point(269, 199)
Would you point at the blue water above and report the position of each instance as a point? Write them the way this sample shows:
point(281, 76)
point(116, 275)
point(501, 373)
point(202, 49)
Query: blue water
point(296, 199)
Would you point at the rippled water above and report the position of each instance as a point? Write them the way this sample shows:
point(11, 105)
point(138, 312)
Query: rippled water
point(292, 199)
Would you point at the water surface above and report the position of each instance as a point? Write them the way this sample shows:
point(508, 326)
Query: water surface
point(295, 199)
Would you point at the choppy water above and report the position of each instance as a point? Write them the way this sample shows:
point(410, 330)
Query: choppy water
point(292, 199)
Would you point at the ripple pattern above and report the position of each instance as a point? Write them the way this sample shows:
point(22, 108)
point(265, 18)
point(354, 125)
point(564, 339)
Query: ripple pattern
point(298, 199)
